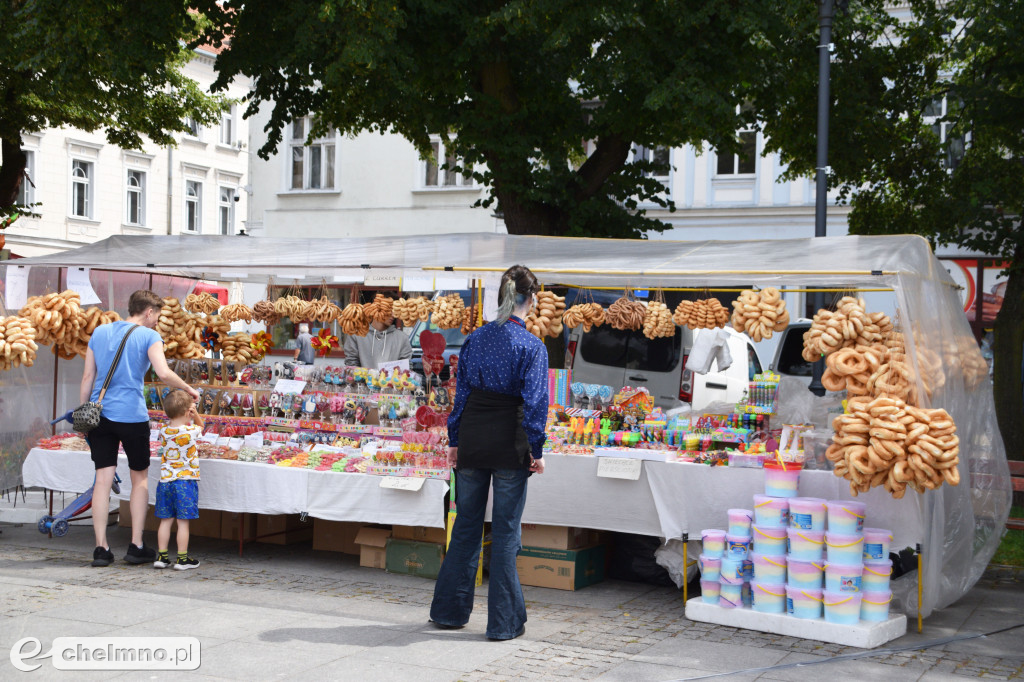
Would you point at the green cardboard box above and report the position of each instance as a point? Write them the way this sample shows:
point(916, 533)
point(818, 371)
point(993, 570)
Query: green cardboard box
point(561, 569)
point(412, 557)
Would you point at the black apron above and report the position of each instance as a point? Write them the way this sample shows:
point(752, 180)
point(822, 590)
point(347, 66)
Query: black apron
point(491, 434)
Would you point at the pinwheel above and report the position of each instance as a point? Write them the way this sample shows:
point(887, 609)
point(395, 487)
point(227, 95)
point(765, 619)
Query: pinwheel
point(261, 343)
point(324, 341)
point(209, 338)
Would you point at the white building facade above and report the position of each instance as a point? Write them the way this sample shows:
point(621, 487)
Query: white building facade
point(89, 189)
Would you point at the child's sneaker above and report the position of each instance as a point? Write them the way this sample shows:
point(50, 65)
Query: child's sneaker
point(162, 561)
point(186, 562)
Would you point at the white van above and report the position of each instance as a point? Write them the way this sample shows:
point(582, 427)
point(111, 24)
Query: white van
point(622, 358)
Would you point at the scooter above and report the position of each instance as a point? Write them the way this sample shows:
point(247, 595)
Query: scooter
point(58, 525)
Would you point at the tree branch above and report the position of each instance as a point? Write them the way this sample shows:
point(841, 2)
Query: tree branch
point(610, 155)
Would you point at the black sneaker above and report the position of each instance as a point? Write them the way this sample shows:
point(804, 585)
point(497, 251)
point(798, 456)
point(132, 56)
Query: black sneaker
point(161, 560)
point(101, 556)
point(140, 555)
point(185, 563)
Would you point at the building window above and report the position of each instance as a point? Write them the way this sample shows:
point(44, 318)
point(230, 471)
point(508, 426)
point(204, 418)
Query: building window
point(312, 162)
point(26, 192)
point(744, 163)
point(135, 198)
point(81, 188)
point(227, 126)
point(660, 157)
point(436, 176)
point(193, 206)
point(227, 210)
point(194, 129)
point(938, 115)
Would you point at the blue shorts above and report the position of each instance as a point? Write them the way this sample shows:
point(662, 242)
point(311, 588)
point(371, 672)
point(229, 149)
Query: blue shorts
point(177, 500)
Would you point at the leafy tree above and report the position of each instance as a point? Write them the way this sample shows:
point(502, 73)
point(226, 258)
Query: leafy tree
point(523, 86)
point(94, 64)
point(965, 187)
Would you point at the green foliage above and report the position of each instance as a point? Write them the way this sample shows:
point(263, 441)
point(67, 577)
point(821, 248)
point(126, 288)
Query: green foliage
point(522, 85)
point(97, 64)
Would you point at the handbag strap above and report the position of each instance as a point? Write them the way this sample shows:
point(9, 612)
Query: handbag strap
point(113, 365)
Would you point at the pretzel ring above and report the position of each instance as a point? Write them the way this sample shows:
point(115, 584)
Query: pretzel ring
point(892, 449)
point(900, 472)
point(850, 440)
point(851, 362)
point(832, 381)
point(879, 464)
point(860, 461)
point(855, 386)
point(951, 475)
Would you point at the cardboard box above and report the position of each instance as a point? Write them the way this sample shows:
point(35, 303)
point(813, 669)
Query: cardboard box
point(373, 544)
point(420, 534)
point(229, 525)
point(336, 536)
point(558, 537)
point(414, 558)
point(561, 569)
point(283, 529)
point(207, 525)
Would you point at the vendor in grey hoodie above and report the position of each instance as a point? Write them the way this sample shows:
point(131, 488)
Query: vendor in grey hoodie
point(383, 343)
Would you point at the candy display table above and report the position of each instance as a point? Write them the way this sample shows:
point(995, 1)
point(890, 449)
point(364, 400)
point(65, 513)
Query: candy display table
point(235, 486)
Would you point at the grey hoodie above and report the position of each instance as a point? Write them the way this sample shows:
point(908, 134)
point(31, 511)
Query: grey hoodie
point(377, 347)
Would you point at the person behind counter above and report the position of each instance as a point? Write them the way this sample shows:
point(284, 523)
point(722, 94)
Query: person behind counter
point(304, 350)
point(496, 437)
point(383, 343)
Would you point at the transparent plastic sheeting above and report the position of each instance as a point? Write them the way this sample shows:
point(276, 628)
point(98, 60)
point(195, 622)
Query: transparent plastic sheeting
point(31, 397)
point(966, 521)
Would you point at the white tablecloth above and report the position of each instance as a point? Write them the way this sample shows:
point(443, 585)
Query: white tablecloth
point(261, 489)
point(671, 498)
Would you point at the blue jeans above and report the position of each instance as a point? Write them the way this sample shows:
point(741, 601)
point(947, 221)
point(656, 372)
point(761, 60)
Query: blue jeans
point(453, 593)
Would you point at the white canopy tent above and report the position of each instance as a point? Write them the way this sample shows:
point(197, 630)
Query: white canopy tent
point(966, 521)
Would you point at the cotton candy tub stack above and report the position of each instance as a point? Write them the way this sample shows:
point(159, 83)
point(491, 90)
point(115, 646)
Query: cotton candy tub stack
point(801, 556)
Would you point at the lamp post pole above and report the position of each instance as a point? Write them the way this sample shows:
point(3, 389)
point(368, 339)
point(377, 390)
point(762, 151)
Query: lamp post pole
point(826, 11)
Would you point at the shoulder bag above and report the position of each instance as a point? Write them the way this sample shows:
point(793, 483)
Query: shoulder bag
point(86, 416)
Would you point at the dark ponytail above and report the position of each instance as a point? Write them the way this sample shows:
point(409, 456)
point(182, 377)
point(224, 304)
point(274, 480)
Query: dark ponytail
point(518, 284)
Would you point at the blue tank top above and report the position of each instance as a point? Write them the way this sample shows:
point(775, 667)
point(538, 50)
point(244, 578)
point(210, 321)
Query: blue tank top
point(123, 401)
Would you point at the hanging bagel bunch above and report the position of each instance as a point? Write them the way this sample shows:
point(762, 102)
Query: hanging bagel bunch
point(201, 303)
point(17, 342)
point(381, 309)
point(759, 314)
point(182, 332)
point(658, 321)
point(237, 312)
point(704, 314)
point(626, 314)
point(411, 310)
point(471, 319)
point(545, 318)
point(587, 315)
point(353, 320)
point(448, 311)
point(60, 322)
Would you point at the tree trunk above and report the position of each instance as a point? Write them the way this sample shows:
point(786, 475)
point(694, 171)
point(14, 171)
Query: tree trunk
point(1008, 359)
point(12, 172)
point(522, 217)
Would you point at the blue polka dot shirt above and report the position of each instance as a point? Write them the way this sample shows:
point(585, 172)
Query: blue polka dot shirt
point(505, 359)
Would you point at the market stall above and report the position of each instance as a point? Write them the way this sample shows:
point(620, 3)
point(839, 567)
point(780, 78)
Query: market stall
point(958, 526)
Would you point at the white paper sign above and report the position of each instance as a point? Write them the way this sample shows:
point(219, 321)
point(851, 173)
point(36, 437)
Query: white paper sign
point(223, 440)
point(78, 281)
point(154, 435)
point(294, 386)
point(235, 443)
point(253, 440)
point(352, 278)
point(382, 278)
point(16, 290)
point(209, 438)
point(400, 365)
point(415, 280)
point(402, 483)
point(449, 281)
point(615, 467)
point(491, 286)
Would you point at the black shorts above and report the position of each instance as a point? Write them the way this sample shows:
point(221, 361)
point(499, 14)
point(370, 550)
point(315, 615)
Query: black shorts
point(133, 436)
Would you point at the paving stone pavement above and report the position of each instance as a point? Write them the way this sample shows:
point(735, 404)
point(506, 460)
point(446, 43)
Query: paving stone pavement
point(340, 621)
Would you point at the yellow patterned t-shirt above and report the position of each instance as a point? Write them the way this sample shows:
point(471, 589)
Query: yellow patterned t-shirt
point(180, 458)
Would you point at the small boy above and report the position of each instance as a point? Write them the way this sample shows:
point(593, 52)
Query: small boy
point(177, 494)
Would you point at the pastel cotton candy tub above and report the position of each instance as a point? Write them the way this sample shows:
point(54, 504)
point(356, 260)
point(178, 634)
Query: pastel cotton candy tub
point(739, 521)
point(732, 570)
point(709, 591)
point(713, 542)
point(771, 512)
point(876, 576)
point(842, 608)
point(769, 570)
point(730, 596)
point(843, 578)
point(806, 545)
point(770, 541)
point(768, 598)
point(805, 575)
point(737, 546)
point(874, 606)
point(846, 516)
point(781, 481)
point(807, 513)
point(803, 603)
point(710, 567)
point(876, 544)
point(844, 549)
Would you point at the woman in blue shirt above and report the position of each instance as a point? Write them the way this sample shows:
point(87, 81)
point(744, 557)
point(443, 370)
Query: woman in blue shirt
point(124, 420)
point(496, 436)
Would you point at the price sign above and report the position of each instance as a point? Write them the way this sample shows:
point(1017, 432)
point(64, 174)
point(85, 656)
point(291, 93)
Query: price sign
point(289, 386)
point(451, 282)
point(223, 441)
point(78, 281)
point(382, 278)
point(618, 467)
point(154, 435)
point(209, 438)
point(491, 285)
point(402, 483)
point(254, 440)
point(415, 280)
point(235, 443)
point(17, 286)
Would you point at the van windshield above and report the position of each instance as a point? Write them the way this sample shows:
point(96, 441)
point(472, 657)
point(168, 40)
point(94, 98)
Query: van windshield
point(630, 350)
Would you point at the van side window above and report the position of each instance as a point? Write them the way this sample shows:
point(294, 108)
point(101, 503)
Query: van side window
point(791, 360)
point(605, 346)
point(653, 355)
point(753, 363)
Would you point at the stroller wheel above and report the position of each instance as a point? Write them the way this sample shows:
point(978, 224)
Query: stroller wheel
point(115, 487)
point(60, 527)
point(44, 524)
